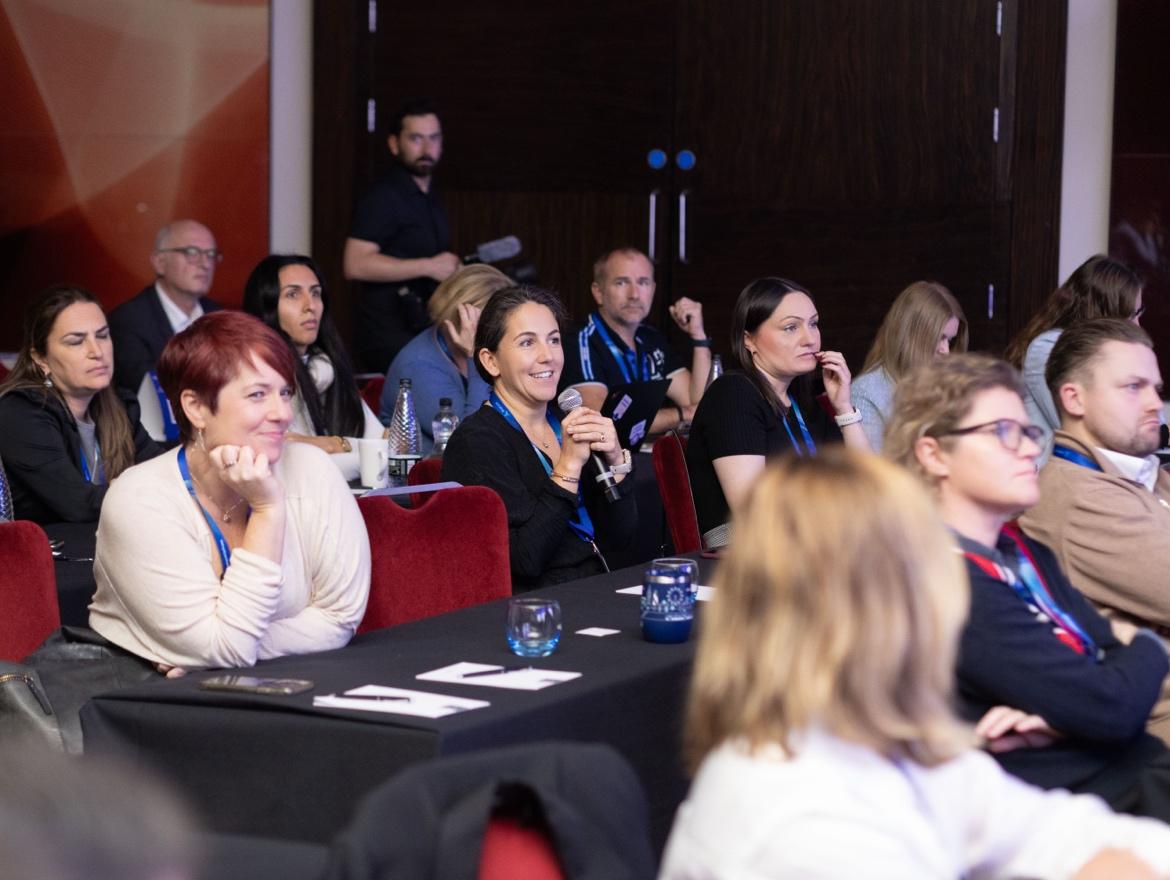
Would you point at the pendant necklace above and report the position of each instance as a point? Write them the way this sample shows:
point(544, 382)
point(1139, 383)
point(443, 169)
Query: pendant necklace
point(225, 515)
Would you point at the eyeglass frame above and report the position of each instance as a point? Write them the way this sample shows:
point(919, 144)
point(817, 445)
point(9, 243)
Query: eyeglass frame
point(193, 254)
point(1035, 433)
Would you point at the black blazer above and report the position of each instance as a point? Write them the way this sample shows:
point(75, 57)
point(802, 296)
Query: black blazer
point(140, 330)
point(41, 448)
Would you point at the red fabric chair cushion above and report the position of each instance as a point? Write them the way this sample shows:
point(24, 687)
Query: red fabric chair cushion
point(28, 589)
point(674, 485)
point(371, 392)
point(425, 470)
point(450, 554)
point(512, 851)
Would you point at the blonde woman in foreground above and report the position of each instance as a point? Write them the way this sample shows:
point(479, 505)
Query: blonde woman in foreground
point(820, 716)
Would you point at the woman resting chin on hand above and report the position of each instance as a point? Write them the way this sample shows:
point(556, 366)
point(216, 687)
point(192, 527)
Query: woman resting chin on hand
point(234, 547)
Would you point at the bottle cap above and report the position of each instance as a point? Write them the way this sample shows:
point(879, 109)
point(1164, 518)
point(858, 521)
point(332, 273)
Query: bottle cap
point(444, 401)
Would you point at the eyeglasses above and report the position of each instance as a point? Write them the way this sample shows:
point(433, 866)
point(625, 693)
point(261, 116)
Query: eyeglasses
point(1009, 432)
point(193, 253)
point(1137, 314)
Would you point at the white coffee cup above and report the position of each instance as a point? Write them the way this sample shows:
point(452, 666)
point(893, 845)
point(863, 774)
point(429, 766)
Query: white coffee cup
point(373, 458)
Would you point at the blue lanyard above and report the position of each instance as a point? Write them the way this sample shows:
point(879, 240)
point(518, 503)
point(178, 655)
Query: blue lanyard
point(1076, 457)
point(1029, 586)
point(628, 361)
point(225, 551)
point(100, 476)
point(581, 524)
point(170, 428)
point(808, 440)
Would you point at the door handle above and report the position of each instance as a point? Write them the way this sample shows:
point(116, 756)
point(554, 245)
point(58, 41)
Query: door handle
point(652, 234)
point(682, 227)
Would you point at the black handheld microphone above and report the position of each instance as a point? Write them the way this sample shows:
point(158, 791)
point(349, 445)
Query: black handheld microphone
point(494, 251)
point(569, 400)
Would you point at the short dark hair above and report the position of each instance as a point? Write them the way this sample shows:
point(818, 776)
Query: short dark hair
point(493, 320)
point(413, 107)
point(1079, 345)
point(209, 354)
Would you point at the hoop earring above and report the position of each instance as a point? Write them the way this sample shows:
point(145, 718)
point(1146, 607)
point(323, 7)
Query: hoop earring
point(199, 440)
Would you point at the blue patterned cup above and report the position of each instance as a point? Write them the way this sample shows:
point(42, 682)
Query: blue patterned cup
point(668, 605)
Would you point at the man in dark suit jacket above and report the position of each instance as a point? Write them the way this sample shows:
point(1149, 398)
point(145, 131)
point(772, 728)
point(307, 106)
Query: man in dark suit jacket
point(184, 260)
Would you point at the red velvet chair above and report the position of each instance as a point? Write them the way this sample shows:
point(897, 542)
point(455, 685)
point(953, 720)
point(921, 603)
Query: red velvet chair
point(28, 589)
point(371, 392)
point(447, 555)
point(512, 850)
point(674, 485)
point(425, 470)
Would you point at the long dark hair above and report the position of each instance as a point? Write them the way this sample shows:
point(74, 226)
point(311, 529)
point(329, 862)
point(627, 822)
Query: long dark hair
point(1100, 287)
point(114, 433)
point(339, 409)
point(755, 305)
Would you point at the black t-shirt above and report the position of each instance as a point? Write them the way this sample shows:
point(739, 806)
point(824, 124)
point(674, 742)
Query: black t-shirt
point(733, 418)
point(589, 359)
point(408, 224)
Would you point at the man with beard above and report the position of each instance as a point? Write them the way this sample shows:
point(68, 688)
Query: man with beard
point(1104, 501)
point(399, 242)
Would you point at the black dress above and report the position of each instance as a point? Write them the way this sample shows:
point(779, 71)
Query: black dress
point(486, 451)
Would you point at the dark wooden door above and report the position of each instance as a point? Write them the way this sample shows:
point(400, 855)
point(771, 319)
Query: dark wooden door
point(845, 144)
point(550, 111)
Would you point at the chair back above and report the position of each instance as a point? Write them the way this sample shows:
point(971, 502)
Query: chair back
point(450, 554)
point(425, 470)
point(28, 589)
point(669, 455)
point(539, 810)
point(371, 392)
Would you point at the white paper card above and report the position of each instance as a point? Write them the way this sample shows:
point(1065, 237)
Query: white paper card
point(398, 701)
point(705, 594)
point(525, 679)
point(597, 631)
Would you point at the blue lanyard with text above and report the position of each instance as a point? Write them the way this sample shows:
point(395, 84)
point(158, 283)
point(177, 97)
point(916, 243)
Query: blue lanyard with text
point(225, 551)
point(170, 428)
point(627, 361)
point(100, 476)
point(1072, 455)
point(581, 524)
point(808, 440)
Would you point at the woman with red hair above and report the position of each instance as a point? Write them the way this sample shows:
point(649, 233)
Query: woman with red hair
point(234, 547)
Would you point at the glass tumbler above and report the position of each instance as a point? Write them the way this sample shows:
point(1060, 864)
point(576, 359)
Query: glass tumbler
point(534, 626)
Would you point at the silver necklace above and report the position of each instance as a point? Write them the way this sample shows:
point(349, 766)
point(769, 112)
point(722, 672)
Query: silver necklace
point(225, 515)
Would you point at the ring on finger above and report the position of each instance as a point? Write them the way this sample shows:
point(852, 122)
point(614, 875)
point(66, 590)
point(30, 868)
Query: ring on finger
point(228, 464)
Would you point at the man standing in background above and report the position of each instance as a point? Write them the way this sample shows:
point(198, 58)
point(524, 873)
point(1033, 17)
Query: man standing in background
point(399, 243)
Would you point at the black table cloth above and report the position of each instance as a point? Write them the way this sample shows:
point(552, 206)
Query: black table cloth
point(278, 767)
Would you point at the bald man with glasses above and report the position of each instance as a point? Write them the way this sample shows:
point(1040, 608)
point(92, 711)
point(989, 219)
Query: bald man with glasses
point(184, 259)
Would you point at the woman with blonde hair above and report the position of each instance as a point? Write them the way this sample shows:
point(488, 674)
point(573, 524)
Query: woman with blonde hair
point(819, 710)
point(439, 360)
point(925, 322)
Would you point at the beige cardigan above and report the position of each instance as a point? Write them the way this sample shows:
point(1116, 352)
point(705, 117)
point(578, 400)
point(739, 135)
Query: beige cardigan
point(158, 594)
point(1112, 537)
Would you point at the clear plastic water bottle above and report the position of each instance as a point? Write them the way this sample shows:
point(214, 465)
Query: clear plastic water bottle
point(442, 425)
point(716, 370)
point(405, 443)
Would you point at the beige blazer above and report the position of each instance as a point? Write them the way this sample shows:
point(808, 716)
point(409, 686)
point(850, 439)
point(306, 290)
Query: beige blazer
point(1112, 537)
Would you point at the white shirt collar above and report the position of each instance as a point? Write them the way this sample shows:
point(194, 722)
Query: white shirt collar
point(176, 317)
point(1139, 470)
